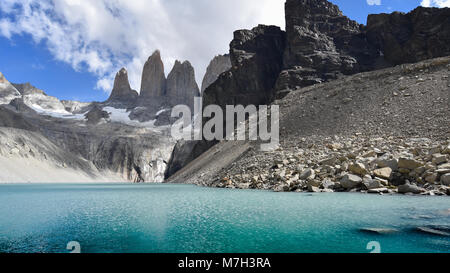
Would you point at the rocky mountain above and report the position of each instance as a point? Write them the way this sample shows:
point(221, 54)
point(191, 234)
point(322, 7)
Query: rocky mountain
point(103, 137)
point(39, 101)
point(181, 85)
point(158, 94)
point(122, 91)
point(323, 44)
point(153, 78)
point(320, 45)
point(7, 91)
point(217, 66)
point(126, 138)
point(407, 38)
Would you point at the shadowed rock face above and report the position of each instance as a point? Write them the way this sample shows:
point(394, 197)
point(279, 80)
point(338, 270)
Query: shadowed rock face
point(256, 58)
point(122, 90)
point(181, 85)
point(153, 78)
point(323, 44)
point(217, 66)
point(422, 34)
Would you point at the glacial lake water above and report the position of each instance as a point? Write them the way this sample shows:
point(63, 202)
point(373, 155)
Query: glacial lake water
point(136, 218)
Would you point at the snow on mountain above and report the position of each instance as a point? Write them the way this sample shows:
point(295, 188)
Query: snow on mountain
point(7, 91)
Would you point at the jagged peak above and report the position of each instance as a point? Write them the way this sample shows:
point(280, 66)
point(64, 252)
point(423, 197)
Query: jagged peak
point(316, 6)
point(123, 70)
point(156, 56)
point(153, 82)
point(185, 65)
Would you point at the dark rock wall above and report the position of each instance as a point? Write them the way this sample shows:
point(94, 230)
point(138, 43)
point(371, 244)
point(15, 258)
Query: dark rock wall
point(422, 34)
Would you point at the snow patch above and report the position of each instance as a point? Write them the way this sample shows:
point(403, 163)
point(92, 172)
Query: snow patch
point(122, 116)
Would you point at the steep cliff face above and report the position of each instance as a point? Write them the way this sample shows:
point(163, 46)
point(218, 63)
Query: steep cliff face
point(256, 58)
point(153, 78)
point(122, 91)
point(323, 44)
point(217, 66)
point(422, 34)
point(181, 85)
point(7, 91)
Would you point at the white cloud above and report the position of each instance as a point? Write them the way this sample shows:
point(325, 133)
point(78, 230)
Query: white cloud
point(101, 36)
point(373, 2)
point(436, 3)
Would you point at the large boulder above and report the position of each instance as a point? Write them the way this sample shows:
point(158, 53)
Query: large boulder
point(410, 188)
point(350, 181)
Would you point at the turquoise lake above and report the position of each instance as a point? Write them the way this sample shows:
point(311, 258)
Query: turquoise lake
point(148, 218)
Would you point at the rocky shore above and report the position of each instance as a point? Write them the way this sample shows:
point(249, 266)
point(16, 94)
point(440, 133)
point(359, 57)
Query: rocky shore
point(383, 165)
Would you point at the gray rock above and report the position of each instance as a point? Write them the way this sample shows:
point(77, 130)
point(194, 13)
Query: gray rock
point(439, 159)
point(307, 174)
point(350, 181)
point(409, 188)
point(358, 168)
point(384, 173)
point(327, 184)
point(370, 184)
point(313, 188)
point(391, 163)
point(410, 164)
point(445, 179)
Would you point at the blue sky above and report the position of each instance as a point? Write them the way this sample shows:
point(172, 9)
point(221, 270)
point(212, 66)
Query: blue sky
point(72, 48)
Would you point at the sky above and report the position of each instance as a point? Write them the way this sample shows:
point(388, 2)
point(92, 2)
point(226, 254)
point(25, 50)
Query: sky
point(72, 49)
